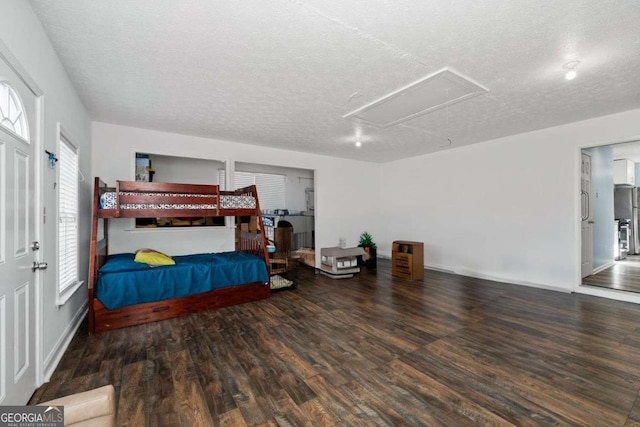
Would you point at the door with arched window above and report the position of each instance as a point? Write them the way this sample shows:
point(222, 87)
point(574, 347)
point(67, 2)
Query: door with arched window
point(18, 232)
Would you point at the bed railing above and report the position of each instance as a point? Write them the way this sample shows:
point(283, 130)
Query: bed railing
point(245, 191)
point(255, 243)
point(132, 199)
point(250, 243)
point(98, 246)
point(160, 193)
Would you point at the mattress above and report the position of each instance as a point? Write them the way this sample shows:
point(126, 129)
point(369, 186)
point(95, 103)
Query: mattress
point(108, 201)
point(124, 282)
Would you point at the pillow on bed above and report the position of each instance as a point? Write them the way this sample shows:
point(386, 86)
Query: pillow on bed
point(118, 263)
point(153, 258)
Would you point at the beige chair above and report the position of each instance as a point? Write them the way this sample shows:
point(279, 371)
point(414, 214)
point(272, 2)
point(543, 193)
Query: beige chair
point(93, 408)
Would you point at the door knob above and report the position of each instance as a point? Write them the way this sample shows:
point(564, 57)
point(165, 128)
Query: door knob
point(39, 266)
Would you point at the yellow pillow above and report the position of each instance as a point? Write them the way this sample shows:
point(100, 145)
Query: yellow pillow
point(153, 258)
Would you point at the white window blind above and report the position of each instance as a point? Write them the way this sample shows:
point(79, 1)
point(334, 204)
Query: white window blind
point(271, 187)
point(67, 215)
point(244, 179)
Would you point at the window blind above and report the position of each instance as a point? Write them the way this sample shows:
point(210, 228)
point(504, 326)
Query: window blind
point(271, 187)
point(67, 215)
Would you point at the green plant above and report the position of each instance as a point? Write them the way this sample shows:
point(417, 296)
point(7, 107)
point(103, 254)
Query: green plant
point(366, 239)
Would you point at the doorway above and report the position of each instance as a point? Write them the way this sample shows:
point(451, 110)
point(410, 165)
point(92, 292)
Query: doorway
point(615, 257)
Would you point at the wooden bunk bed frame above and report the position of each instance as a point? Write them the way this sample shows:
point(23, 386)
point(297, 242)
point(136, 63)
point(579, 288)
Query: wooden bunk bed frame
point(146, 193)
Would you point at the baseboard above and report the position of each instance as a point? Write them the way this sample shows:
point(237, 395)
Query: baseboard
point(478, 275)
point(440, 269)
point(52, 360)
point(613, 294)
point(604, 267)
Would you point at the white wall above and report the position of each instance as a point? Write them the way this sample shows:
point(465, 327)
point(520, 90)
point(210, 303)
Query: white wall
point(23, 35)
point(506, 209)
point(344, 188)
point(185, 170)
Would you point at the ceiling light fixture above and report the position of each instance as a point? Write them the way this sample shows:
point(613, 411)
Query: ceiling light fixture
point(571, 69)
point(358, 143)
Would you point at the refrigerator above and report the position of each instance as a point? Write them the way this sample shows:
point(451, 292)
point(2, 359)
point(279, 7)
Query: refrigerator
point(626, 211)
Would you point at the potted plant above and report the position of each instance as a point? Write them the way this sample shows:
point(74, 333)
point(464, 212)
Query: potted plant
point(370, 250)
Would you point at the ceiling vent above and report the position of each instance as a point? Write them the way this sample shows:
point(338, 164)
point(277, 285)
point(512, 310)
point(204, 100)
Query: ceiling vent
point(437, 90)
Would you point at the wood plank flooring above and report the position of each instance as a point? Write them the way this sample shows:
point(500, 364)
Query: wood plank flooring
point(623, 276)
point(373, 350)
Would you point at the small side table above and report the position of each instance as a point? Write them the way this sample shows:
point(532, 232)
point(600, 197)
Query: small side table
point(407, 259)
point(340, 263)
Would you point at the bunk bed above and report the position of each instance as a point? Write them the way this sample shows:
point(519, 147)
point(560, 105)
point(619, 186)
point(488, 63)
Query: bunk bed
point(218, 280)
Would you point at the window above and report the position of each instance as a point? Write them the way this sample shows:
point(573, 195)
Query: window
point(67, 219)
point(12, 114)
point(270, 187)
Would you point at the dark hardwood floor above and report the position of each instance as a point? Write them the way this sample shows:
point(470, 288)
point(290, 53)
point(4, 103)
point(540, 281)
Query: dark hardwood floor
point(373, 350)
point(623, 276)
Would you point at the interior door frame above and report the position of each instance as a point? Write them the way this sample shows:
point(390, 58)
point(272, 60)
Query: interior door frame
point(578, 287)
point(37, 141)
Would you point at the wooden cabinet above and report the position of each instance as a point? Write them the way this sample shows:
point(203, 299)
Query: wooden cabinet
point(624, 172)
point(407, 259)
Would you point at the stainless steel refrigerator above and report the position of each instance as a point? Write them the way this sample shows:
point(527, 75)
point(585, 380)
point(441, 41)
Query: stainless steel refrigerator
point(626, 200)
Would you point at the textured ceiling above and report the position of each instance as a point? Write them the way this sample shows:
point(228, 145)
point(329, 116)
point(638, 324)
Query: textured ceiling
point(284, 73)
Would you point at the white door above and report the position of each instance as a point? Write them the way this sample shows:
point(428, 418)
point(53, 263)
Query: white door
point(18, 281)
point(587, 221)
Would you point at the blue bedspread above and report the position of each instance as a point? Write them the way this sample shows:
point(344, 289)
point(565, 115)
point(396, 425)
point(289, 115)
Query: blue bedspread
point(124, 282)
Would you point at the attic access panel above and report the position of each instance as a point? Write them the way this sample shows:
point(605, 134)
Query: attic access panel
point(431, 93)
